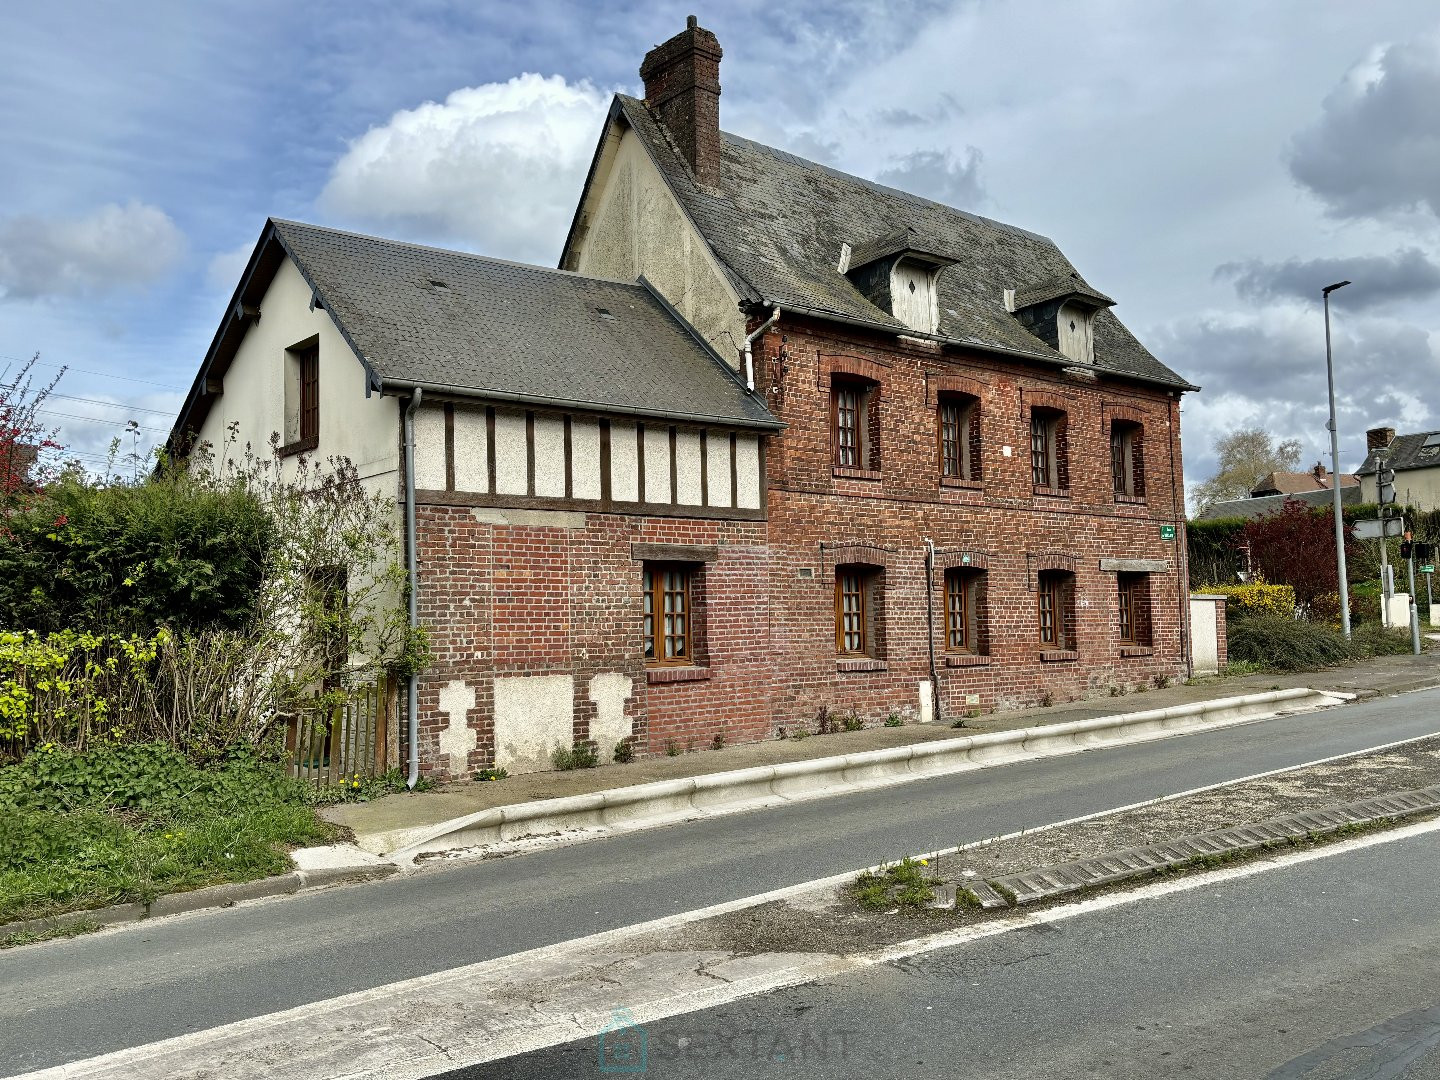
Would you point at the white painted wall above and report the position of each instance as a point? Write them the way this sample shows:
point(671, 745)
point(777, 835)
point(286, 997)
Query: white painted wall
point(430, 448)
point(511, 454)
point(534, 716)
point(549, 456)
point(687, 468)
point(472, 453)
point(717, 468)
point(637, 227)
point(624, 463)
point(912, 296)
point(365, 430)
point(585, 458)
point(1204, 636)
point(747, 471)
point(657, 464)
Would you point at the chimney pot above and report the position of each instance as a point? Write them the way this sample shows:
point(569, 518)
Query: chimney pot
point(1377, 438)
point(682, 92)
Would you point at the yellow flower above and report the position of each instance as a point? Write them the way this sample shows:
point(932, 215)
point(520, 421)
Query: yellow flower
point(924, 862)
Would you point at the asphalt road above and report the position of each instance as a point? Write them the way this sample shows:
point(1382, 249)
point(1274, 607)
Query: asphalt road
point(68, 1000)
point(1323, 970)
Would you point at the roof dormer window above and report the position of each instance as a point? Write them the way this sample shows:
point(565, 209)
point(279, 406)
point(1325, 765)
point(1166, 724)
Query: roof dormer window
point(899, 279)
point(1061, 312)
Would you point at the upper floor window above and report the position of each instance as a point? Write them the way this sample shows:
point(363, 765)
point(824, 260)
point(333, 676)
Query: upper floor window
point(1049, 451)
point(668, 615)
point(1127, 458)
point(302, 397)
point(960, 437)
point(1055, 597)
point(853, 422)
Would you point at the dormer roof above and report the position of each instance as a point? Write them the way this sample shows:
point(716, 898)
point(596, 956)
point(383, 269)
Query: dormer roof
point(1069, 287)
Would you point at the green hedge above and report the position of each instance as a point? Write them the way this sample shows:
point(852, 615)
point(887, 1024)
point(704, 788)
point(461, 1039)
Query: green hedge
point(128, 559)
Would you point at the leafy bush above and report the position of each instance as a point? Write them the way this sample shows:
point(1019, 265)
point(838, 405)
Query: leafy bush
point(127, 559)
point(624, 752)
point(580, 756)
point(1254, 598)
point(1278, 643)
point(1372, 639)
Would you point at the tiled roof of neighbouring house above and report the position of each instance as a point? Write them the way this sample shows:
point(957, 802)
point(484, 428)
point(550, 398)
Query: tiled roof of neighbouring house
point(428, 316)
point(1293, 483)
point(777, 222)
point(1272, 504)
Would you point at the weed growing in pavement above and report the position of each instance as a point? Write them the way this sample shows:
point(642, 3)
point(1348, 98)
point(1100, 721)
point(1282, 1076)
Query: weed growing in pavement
point(32, 937)
point(799, 733)
point(1047, 700)
point(908, 885)
point(853, 722)
point(894, 720)
point(958, 723)
point(580, 756)
point(671, 750)
point(781, 733)
point(491, 774)
point(624, 752)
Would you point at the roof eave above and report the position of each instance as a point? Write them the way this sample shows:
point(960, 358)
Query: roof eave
point(402, 387)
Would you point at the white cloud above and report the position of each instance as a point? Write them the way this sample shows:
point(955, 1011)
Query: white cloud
point(111, 248)
point(496, 167)
point(225, 267)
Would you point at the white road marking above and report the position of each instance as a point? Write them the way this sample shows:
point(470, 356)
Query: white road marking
point(544, 997)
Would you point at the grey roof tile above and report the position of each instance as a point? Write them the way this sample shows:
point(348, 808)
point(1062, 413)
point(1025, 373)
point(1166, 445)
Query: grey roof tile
point(423, 315)
point(1418, 451)
point(777, 223)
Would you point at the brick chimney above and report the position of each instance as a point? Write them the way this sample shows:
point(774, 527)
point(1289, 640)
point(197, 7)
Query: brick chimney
point(682, 90)
point(1319, 471)
point(1377, 438)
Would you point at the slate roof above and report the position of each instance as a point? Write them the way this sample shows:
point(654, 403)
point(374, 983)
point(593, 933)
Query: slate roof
point(777, 222)
point(1418, 451)
point(1272, 504)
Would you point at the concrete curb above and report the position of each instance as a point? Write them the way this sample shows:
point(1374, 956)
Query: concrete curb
point(1044, 882)
point(214, 896)
point(669, 801)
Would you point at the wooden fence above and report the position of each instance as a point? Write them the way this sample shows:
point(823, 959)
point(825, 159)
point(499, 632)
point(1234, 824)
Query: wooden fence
point(327, 745)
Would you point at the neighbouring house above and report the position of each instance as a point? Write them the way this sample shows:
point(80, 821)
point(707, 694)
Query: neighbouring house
point(775, 439)
point(1272, 491)
point(1416, 461)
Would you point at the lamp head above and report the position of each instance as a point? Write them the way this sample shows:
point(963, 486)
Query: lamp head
point(1331, 288)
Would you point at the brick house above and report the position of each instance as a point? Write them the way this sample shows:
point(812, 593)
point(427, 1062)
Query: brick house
point(774, 439)
point(951, 389)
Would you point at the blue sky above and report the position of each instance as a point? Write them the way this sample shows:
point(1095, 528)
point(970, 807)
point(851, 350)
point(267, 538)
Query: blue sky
point(1206, 163)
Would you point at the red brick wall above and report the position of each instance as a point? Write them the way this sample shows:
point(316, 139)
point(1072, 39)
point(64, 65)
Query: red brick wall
point(517, 600)
point(1004, 518)
point(513, 600)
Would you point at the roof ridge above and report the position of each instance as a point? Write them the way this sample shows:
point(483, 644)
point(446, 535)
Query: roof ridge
point(456, 252)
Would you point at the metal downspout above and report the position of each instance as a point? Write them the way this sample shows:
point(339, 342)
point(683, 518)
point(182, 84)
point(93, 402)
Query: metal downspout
point(412, 731)
point(749, 340)
point(937, 714)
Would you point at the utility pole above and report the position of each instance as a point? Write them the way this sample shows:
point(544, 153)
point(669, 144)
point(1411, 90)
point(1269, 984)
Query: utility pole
point(1344, 589)
point(1414, 606)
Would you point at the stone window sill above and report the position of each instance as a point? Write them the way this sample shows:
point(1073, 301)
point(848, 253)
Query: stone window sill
point(967, 660)
point(656, 675)
point(1129, 500)
point(1136, 650)
point(962, 485)
point(1058, 655)
point(300, 446)
point(1052, 492)
point(862, 663)
point(849, 473)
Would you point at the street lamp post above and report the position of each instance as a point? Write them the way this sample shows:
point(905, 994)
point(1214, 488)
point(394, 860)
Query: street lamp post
point(1335, 468)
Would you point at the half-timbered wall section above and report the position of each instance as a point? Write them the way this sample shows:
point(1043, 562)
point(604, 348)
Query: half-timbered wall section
point(469, 454)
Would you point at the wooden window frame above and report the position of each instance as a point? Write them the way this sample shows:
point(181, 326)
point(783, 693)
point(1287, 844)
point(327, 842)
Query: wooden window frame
point(962, 585)
point(1050, 589)
point(1046, 427)
point(1125, 587)
point(655, 635)
point(862, 393)
point(963, 409)
point(1127, 468)
point(309, 372)
point(864, 581)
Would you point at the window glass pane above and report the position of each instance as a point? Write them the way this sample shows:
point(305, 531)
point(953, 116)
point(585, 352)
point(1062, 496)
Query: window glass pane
point(847, 440)
point(1040, 451)
point(955, 603)
point(950, 439)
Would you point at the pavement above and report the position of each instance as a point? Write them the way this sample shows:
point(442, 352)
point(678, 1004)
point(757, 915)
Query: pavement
point(396, 814)
point(66, 1000)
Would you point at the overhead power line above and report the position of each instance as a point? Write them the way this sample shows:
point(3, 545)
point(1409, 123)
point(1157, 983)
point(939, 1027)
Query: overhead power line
point(86, 371)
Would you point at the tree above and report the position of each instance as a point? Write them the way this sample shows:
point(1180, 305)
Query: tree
point(22, 435)
point(1244, 456)
point(1295, 546)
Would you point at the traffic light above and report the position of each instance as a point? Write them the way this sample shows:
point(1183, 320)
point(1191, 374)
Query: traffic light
point(1424, 551)
point(1406, 549)
point(1385, 482)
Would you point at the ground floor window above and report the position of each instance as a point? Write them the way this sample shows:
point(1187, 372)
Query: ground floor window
point(669, 629)
point(964, 602)
point(1055, 604)
point(857, 598)
point(1133, 596)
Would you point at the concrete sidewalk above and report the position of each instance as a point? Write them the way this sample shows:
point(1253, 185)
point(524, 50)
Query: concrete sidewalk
point(1381, 675)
